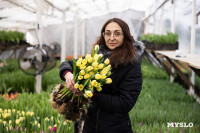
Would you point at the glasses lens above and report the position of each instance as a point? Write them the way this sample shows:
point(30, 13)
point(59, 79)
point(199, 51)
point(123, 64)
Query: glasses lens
point(108, 34)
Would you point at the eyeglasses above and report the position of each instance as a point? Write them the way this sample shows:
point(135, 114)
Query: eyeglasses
point(108, 34)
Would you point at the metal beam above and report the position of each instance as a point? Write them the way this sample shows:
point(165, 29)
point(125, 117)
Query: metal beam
point(156, 10)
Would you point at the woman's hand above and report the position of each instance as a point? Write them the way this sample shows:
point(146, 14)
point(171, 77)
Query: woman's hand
point(69, 80)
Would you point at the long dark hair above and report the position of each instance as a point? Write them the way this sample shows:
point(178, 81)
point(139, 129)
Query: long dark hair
point(126, 52)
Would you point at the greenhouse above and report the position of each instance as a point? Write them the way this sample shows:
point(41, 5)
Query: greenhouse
point(102, 66)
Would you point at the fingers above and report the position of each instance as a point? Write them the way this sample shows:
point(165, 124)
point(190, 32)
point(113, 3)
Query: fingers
point(69, 79)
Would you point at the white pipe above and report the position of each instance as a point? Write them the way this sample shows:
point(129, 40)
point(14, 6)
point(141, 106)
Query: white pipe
point(161, 21)
point(173, 31)
point(173, 18)
point(154, 24)
point(192, 43)
point(83, 38)
point(38, 86)
point(63, 39)
point(75, 34)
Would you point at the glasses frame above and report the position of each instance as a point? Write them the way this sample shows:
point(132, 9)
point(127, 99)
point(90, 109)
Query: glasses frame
point(113, 35)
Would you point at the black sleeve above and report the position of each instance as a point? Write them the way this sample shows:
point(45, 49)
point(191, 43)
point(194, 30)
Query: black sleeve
point(129, 91)
point(65, 66)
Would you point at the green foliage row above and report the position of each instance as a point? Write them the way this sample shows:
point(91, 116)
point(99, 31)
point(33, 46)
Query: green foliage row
point(152, 72)
point(197, 81)
point(161, 102)
point(11, 36)
point(11, 77)
point(43, 117)
point(10, 65)
point(170, 38)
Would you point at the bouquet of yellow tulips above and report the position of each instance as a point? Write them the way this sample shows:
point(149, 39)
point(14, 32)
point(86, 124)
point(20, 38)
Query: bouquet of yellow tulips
point(90, 73)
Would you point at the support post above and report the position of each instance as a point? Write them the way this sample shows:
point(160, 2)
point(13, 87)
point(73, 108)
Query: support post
point(63, 39)
point(83, 38)
point(75, 33)
point(173, 31)
point(192, 45)
point(38, 78)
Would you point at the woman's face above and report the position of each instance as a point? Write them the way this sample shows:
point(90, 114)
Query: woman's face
point(113, 35)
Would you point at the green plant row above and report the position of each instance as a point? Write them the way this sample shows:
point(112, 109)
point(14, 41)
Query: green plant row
point(11, 36)
point(170, 38)
point(159, 102)
point(9, 66)
point(31, 113)
point(152, 72)
point(12, 78)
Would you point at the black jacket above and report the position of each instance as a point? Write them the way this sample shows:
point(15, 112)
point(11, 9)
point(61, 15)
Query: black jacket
point(109, 112)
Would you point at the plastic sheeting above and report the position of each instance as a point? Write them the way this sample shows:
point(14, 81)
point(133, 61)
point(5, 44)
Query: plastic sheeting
point(92, 30)
point(161, 23)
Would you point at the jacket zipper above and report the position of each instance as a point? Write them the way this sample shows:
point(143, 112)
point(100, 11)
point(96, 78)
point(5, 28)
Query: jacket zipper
point(97, 119)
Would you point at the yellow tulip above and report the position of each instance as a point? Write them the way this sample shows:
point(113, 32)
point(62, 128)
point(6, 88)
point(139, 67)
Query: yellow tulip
point(99, 89)
point(38, 125)
point(91, 73)
point(91, 87)
point(88, 56)
point(17, 121)
point(82, 72)
point(35, 122)
point(100, 55)
point(4, 123)
point(98, 85)
point(89, 59)
point(84, 62)
point(103, 76)
point(23, 113)
point(96, 47)
point(96, 68)
point(31, 113)
point(108, 80)
point(81, 87)
point(109, 66)
point(76, 86)
point(107, 61)
point(103, 72)
point(78, 64)
point(46, 119)
point(101, 66)
point(96, 57)
point(89, 68)
point(80, 59)
point(97, 76)
point(94, 83)
point(85, 95)
point(82, 67)
point(13, 110)
point(86, 76)
point(80, 77)
point(89, 93)
point(95, 64)
point(10, 122)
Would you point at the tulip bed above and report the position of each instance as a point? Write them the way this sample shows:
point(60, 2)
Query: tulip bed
point(160, 102)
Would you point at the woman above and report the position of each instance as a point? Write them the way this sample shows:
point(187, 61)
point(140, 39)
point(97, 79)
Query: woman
point(108, 111)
